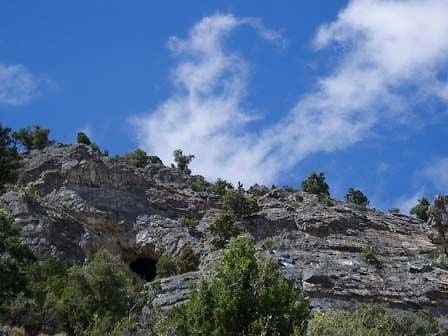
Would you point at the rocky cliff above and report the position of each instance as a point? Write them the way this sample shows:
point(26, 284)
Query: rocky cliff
point(341, 255)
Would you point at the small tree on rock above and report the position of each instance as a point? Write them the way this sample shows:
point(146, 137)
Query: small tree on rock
point(236, 202)
point(315, 184)
point(421, 209)
point(82, 138)
point(357, 197)
point(182, 161)
point(34, 137)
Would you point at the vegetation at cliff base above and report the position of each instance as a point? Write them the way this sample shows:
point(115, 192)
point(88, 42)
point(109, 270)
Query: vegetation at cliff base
point(245, 296)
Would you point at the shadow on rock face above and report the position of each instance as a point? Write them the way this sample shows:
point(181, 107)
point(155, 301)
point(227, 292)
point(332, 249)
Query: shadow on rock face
point(144, 268)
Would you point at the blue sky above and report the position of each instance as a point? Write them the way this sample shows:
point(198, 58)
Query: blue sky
point(259, 92)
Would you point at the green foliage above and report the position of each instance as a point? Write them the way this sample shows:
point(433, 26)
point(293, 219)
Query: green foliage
point(29, 194)
point(190, 223)
point(187, 261)
point(245, 296)
point(199, 184)
point(222, 186)
point(166, 266)
point(223, 229)
point(357, 197)
point(394, 210)
point(182, 161)
point(140, 159)
point(373, 320)
point(9, 158)
point(102, 288)
point(14, 260)
point(370, 256)
point(315, 184)
point(237, 203)
point(327, 201)
point(34, 137)
point(421, 209)
point(82, 138)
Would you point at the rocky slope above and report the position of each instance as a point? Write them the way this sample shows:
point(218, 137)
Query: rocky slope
point(341, 255)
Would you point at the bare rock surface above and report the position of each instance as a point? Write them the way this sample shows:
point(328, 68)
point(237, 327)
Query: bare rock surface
point(87, 201)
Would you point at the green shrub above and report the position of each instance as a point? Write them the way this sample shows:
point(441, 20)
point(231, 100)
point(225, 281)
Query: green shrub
point(222, 186)
point(370, 256)
point(182, 161)
point(244, 296)
point(373, 320)
point(187, 261)
point(166, 266)
point(13, 268)
point(327, 201)
point(29, 194)
point(9, 158)
point(421, 209)
point(199, 184)
point(223, 229)
point(357, 197)
point(34, 137)
point(394, 210)
point(140, 159)
point(236, 202)
point(82, 138)
point(103, 288)
point(315, 184)
point(190, 223)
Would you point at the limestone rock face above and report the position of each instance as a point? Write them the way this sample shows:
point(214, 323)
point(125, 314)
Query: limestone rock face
point(341, 255)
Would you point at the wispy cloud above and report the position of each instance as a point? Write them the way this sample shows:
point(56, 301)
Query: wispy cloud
point(407, 202)
point(18, 85)
point(383, 55)
point(437, 173)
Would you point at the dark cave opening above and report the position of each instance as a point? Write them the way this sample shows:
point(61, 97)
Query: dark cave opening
point(144, 267)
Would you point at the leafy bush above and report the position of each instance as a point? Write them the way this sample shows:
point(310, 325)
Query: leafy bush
point(327, 201)
point(223, 229)
point(102, 288)
point(182, 161)
point(140, 159)
point(190, 223)
point(12, 268)
point(245, 296)
point(34, 137)
point(236, 202)
point(357, 197)
point(370, 256)
point(9, 158)
point(394, 210)
point(187, 261)
point(166, 266)
point(199, 184)
point(421, 209)
point(222, 186)
point(315, 184)
point(373, 320)
point(29, 194)
point(82, 138)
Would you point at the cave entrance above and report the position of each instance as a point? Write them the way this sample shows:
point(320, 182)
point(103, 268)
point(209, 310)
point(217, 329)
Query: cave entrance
point(144, 268)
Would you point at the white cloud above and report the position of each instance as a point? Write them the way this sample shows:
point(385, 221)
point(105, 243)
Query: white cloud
point(437, 173)
point(18, 85)
point(406, 203)
point(387, 48)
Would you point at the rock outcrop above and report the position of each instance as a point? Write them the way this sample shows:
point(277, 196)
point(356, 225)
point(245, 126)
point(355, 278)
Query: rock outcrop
point(341, 255)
